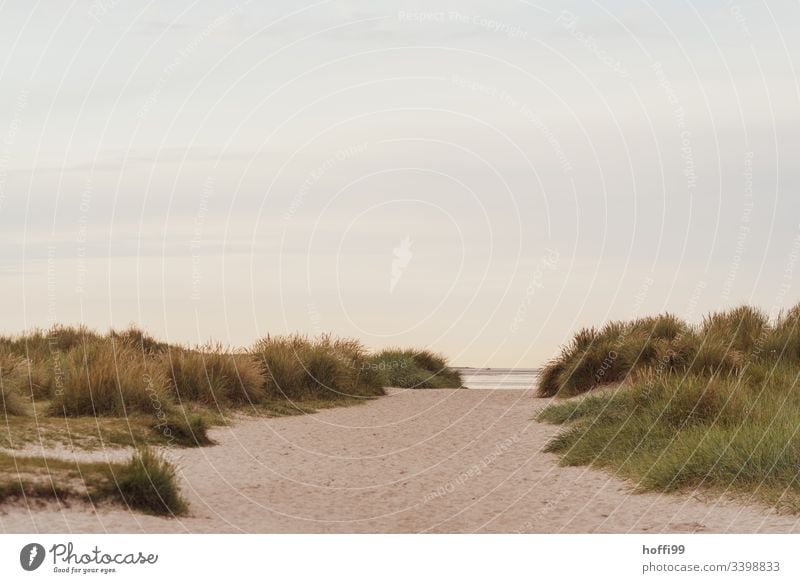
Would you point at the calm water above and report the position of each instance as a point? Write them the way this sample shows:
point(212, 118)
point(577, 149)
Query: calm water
point(500, 378)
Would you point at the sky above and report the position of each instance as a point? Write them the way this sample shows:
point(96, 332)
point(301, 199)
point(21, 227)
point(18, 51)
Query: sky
point(482, 179)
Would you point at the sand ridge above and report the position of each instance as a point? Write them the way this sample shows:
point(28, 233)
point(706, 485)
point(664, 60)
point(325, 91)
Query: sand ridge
point(413, 461)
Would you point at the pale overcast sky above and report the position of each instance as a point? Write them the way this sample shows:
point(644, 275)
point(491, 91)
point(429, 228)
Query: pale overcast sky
point(482, 178)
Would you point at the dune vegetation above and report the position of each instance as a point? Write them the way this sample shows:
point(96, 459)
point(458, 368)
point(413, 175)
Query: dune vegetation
point(714, 406)
point(147, 482)
point(413, 369)
point(77, 387)
point(324, 368)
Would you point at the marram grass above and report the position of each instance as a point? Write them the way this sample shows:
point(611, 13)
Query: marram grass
point(72, 385)
point(148, 483)
point(413, 369)
point(717, 408)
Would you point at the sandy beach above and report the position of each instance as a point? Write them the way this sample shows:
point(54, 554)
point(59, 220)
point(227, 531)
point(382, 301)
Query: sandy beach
point(414, 461)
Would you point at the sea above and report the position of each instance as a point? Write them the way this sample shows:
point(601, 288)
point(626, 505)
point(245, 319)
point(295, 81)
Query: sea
point(499, 378)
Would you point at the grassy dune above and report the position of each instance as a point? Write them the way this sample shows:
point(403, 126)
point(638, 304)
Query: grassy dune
point(74, 386)
point(714, 406)
point(413, 369)
point(325, 368)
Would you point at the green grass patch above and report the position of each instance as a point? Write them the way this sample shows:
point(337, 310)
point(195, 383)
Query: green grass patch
point(723, 343)
point(413, 369)
point(597, 357)
point(729, 433)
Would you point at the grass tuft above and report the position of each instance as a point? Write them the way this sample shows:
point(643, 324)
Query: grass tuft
point(323, 368)
point(214, 377)
point(108, 378)
point(13, 379)
point(177, 427)
point(148, 483)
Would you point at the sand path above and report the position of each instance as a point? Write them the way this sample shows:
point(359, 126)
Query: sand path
point(414, 461)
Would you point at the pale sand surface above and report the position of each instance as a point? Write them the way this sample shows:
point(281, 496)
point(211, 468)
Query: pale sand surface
point(414, 461)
